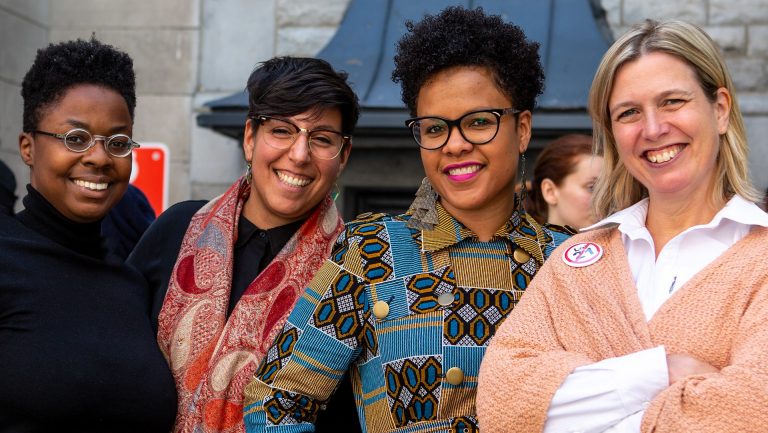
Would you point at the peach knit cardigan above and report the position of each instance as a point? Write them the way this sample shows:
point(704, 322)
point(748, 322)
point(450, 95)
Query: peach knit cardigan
point(576, 316)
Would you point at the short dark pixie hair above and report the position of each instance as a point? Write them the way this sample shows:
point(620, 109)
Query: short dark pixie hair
point(289, 86)
point(468, 37)
point(58, 67)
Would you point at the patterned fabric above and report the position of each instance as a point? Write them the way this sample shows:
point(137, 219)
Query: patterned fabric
point(444, 294)
point(213, 357)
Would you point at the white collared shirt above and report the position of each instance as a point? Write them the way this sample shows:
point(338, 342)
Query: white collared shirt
point(611, 395)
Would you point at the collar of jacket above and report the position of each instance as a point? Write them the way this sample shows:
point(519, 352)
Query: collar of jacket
point(520, 229)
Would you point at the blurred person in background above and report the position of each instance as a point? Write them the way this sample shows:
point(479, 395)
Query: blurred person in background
point(7, 189)
point(564, 177)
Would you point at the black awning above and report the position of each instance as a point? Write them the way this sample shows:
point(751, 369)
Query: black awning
point(573, 35)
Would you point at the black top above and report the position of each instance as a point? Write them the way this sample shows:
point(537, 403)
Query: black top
point(75, 332)
point(156, 253)
point(127, 221)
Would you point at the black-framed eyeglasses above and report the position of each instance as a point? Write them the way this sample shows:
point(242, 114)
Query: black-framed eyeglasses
point(477, 127)
point(324, 143)
point(80, 140)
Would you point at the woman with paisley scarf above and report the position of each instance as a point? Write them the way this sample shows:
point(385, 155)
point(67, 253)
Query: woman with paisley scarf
point(226, 273)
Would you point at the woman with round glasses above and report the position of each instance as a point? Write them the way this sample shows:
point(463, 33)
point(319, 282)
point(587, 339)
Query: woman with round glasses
point(407, 304)
point(225, 274)
point(77, 348)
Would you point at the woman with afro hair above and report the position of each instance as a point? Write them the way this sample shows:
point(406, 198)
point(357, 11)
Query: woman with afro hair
point(77, 348)
point(407, 304)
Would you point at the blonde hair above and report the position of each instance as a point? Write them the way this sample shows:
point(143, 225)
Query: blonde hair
point(616, 189)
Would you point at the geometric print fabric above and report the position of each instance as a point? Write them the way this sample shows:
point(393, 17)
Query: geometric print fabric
point(404, 356)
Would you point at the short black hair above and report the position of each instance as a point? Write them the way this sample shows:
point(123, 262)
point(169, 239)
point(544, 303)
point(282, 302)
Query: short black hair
point(468, 37)
point(292, 85)
point(60, 66)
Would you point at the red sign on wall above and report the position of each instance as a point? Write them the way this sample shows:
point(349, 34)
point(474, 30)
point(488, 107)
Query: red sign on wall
point(151, 164)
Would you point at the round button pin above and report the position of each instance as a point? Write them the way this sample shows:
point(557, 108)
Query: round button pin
point(521, 256)
point(446, 299)
point(454, 375)
point(582, 254)
point(380, 309)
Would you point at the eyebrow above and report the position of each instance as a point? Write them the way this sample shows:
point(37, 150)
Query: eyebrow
point(662, 95)
point(82, 125)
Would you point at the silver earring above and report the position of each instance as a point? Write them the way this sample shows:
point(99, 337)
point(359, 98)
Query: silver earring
point(423, 210)
point(523, 189)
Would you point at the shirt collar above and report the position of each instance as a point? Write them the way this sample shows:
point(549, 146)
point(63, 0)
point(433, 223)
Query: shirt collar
point(631, 221)
point(449, 231)
point(277, 236)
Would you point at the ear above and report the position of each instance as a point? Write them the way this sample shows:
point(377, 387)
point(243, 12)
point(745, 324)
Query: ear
point(722, 109)
point(524, 126)
point(549, 191)
point(249, 139)
point(344, 156)
point(26, 147)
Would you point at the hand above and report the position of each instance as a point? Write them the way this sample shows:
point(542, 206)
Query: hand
point(680, 366)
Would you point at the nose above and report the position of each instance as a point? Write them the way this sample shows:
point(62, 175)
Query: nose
point(654, 126)
point(456, 144)
point(97, 155)
point(299, 150)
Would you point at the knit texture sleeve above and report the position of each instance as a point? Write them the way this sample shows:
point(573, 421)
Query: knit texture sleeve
point(524, 365)
point(568, 317)
point(735, 339)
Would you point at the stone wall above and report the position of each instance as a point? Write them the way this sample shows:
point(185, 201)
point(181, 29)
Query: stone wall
point(740, 27)
point(24, 28)
point(188, 52)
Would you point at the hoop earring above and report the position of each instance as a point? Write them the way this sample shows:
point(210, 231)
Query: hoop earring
point(523, 189)
point(248, 173)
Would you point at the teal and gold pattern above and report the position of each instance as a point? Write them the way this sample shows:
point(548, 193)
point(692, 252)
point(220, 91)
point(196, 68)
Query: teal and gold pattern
point(410, 313)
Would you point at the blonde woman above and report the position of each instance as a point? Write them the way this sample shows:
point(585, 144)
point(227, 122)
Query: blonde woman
point(656, 319)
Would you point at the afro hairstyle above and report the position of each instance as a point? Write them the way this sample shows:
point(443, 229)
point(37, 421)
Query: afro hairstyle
point(468, 37)
point(59, 67)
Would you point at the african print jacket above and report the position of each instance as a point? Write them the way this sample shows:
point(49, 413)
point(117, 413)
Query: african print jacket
point(409, 314)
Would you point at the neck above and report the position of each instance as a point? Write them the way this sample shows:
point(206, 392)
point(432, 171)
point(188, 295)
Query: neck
point(484, 222)
point(668, 218)
point(41, 216)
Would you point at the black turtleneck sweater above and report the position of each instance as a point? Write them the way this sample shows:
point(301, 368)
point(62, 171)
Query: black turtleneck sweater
point(77, 349)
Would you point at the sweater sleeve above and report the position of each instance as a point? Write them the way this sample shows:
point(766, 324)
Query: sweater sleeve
point(524, 364)
point(600, 395)
point(736, 398)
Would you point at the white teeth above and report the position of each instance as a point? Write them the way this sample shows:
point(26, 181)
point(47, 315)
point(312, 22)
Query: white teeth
point(664, 156)
point(91, 185)
point(293, 181)
point(464, 170)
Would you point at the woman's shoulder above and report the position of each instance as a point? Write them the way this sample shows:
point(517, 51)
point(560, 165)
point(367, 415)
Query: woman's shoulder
point(164, 235)
point(182, 211)
point(371, 219)
point(584, 248)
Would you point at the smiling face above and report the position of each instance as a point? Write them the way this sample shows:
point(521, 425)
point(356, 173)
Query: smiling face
point(666, 129)
point(473, 181)
point(287, 184)
point(82, 186)
point(570, 202)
